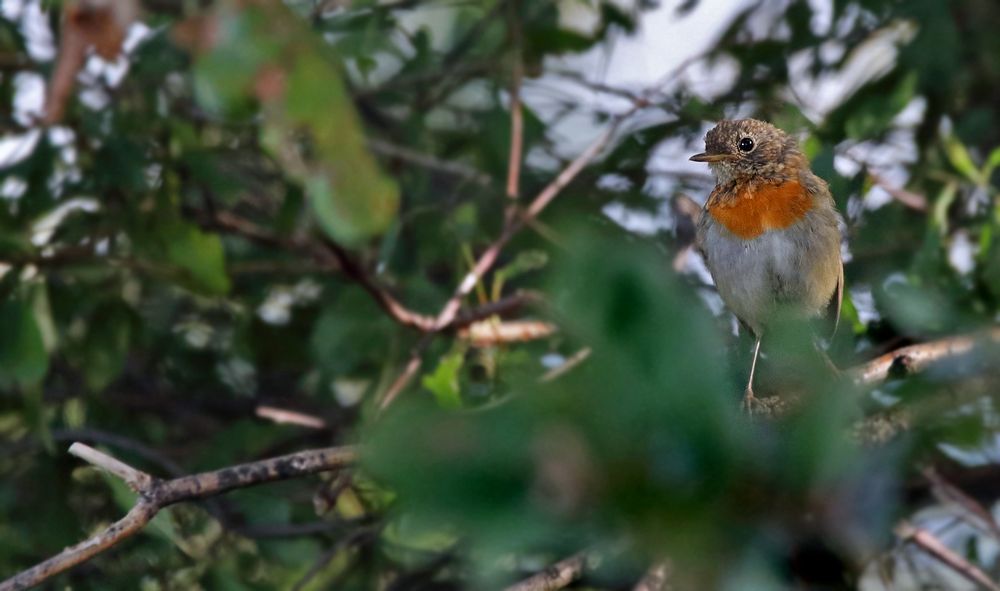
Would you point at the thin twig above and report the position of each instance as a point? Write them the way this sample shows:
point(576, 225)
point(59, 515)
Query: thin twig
point(516, 112)
point(554, 577)
point(910, 199)
point(137, 480)
point(486, 260)
point(327, 253)
point(155, 494)
point(927, 542)
point(574, 360)
point(409, 370)
point(429, 162)
point(284, 416)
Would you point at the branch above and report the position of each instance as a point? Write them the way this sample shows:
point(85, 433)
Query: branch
point(948, 494)
point(484, 263)
point(910, 199)
point(137, 480)
point(554, 577)
point(332, 257)
point(284, 416)
point(655, 578)
point(516, 111)
point(927, 542)
point(429, 162)
point(916, 358)
point(566, 366)
point(155, 494)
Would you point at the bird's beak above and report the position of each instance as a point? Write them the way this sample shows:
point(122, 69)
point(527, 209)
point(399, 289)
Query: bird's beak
point(706, 157)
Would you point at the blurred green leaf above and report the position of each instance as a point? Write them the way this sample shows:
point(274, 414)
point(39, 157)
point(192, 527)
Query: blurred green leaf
point(443, 381)
point(200, 257)
point(525, 262)
point(266, 52)
point(106, 345)
point(992, 162)
point(23, 359)
point(961, 160)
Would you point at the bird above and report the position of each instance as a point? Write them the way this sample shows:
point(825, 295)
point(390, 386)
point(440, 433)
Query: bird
point(769, 232)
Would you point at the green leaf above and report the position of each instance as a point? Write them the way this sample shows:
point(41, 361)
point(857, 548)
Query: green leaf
point(352, 198)
point(200, 257)
point(267, 53)
point(525, 262)
point(961, 160)
point(23, 359)
point(939, 214)
point(106, 345)
point(992, 161)
point(443, 382)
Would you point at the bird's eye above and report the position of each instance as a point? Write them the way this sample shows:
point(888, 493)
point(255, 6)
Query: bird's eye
point(745, 145)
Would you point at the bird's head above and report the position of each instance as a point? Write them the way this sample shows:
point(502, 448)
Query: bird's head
point(748, 149)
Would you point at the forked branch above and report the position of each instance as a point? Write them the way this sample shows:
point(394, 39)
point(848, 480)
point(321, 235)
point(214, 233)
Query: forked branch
point(155, 494)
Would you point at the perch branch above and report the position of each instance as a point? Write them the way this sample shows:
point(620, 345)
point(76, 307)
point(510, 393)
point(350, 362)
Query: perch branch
point(155, 494)
point(915, 358)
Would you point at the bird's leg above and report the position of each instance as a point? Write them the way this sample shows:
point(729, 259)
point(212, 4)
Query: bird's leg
point(748, 398)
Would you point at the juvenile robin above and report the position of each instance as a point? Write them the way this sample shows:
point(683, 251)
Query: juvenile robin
point(769, 231)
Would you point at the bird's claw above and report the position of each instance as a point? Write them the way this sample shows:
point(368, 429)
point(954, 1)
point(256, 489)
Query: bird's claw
point(748, 402)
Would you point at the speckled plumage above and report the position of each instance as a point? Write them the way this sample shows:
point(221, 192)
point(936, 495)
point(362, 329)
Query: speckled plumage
point(769, 232)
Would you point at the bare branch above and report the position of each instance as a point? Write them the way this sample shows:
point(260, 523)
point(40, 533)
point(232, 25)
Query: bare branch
point(554, 577)
point(910, 199)
point(915, 358)
point(155, 494)
point(137, 480)
point(927, 542)
point(133, 522)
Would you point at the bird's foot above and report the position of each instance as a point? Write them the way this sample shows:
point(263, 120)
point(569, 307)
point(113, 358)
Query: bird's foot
point(749, 402)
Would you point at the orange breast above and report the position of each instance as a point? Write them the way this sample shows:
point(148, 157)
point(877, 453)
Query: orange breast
point(752, 209)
